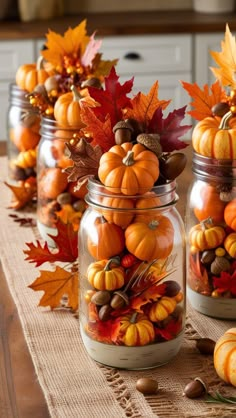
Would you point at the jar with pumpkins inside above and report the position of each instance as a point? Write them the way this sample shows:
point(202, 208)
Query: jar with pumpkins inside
point(211, 219)
point(131, 265)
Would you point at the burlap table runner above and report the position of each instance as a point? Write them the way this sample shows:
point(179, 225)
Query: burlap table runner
point(74, 385)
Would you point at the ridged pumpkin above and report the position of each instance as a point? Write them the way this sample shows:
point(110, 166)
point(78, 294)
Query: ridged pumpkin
point(26, 159)
point(136, 330)
point(230, 214)
point(212, 138)
point(150, 240)
point(25, 135)
point(225, 356)
point(205, 236)
point(230, 244)
point(102, 275)
point(129, 169)
point(28, 76)
point(51, 182)
point(106, 239)
point(161, 309)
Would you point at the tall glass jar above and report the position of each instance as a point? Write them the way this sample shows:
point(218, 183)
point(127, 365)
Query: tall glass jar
point(56, 196)
point(211, 237)
point(132, 276)
point(23, 126)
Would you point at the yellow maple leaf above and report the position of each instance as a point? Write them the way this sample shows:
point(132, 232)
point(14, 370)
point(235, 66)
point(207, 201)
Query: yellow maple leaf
point(144, 106)
point(55, 285)
point(226, 60)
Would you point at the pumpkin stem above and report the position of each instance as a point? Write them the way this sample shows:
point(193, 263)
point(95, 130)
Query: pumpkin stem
point(206, 223)
point(153, 224)
point(39, 63)
point(76, 95)
point(129, 158)
point(224, 123)
point(133, 318)
point(110, 261)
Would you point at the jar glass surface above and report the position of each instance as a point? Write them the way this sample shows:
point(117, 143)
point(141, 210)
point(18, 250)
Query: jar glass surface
point(132, 276)
point(23, 125)
point(211, 237)
point(57, 197)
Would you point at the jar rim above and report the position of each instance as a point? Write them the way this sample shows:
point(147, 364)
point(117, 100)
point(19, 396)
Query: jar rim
point(223, 170)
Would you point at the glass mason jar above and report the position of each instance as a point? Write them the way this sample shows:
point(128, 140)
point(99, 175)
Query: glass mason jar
point(132, 276)
point(56, 196)
point(23, 126)
point(211, 237)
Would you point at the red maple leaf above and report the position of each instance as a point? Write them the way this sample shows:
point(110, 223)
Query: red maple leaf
point(226, 282)
point(100, 131)
point(169, 129)
point(66, 243)
point(112, 99)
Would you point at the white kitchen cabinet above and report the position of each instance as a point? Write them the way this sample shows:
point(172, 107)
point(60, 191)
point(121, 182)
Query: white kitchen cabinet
point(166, 58)
point(203, 44)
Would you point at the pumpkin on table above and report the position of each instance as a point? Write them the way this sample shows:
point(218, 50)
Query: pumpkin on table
point(225, 356)
point(129, 169)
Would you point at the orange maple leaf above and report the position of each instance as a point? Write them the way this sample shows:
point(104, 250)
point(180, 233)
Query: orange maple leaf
point(100, 131)
point(204, 99)
point(22, 194)
point(144, 106)
point(226, 60)
point(151, 294)
point(55, 285)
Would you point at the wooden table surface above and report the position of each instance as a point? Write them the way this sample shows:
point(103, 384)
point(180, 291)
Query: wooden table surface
point(20, 393)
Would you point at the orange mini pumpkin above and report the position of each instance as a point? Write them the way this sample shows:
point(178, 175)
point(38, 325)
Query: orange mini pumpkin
point(208, 204)
point(51, 182)
point(28, 76)
point(150, 240)
point(119, 210)
point(230, 244)
point(212, 138)
point(129, 169)
point(25, 135)
point(230, 214)
point(105, 239)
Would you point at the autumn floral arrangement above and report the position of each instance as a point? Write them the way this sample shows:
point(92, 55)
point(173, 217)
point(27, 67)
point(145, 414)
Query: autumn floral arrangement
point(212, 237)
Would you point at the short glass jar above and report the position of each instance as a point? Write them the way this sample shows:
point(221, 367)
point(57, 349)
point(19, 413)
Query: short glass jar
point(57, 197)
point(132, 276)
point(211, 237)
point(23, 126)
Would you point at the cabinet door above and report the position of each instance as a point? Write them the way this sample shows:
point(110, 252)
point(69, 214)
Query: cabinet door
point(12, 55)
point(203, 44)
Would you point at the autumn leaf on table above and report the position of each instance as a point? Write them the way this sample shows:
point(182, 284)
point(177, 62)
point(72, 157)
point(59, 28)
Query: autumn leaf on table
point(169, 129)
point(23, 194)
point(145, 105)
point(204, 99)
point(86, 161)
point(66, 242)
point(226, 60)
point(112, 99)
point(55, 285)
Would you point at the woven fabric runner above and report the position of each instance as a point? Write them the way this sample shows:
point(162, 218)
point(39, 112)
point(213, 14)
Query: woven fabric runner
point(73, 384)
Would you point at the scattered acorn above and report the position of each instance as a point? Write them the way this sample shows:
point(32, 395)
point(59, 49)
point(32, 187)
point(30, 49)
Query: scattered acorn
point(147, 386)
point(195, 388)
point(205, 345)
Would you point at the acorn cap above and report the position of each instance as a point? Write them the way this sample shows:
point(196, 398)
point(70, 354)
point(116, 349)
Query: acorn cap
point(150, 141)
point(122, 124)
